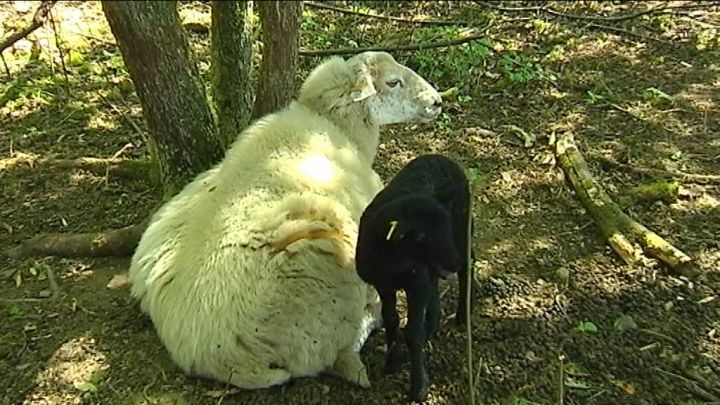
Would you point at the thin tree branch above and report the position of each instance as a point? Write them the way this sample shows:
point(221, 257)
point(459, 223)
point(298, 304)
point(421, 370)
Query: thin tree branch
point(384, 17)
point(7, 68)
point(38, 20)
point(688, 177)
point(59, 48)
point(409, 47)
point(652, 10)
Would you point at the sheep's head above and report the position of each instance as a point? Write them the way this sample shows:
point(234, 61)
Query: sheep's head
point(392, 92)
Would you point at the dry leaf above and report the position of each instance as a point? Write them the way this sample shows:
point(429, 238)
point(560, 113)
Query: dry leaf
point(625, 386)
point(18, 279)
point(118, 281)
point(706, 299)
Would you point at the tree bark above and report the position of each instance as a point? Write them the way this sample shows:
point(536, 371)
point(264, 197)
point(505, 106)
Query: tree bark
point(231, 48)
point(280, 22)
point(627, 237)
point(183, 135)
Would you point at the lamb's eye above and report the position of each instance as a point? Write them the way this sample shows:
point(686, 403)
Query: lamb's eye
point(394, 83)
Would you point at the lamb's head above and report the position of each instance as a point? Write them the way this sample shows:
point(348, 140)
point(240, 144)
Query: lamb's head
point(392, 92)
point(422, 229)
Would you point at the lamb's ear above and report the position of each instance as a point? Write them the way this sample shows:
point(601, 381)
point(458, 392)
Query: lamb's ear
point(363, 86)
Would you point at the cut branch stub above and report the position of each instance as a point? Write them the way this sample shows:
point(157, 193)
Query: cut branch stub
point(628, 238)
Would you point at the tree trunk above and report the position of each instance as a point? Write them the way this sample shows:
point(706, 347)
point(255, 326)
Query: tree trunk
point(164, 71)
point(231, 47)
point(280, 22)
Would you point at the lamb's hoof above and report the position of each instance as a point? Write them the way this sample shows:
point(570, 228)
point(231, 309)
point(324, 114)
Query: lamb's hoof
point(419, 388)
point(394, 359)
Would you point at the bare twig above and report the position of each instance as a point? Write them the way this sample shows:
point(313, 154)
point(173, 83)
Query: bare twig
point(470, 272)
point(53, 284)
point(124, 116)
point(37, 22)
point(384, 17)
point(59, 48)
point(697, 390)
point(686, 177)
point(666, 8)
point(659, 335)
point(561, 380)
point(409, 47)
point(7, 68)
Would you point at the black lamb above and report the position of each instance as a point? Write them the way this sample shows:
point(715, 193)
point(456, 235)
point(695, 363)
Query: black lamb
point(412, 233)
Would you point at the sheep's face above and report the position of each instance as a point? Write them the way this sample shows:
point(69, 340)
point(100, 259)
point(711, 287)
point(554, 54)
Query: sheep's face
point(393, 92)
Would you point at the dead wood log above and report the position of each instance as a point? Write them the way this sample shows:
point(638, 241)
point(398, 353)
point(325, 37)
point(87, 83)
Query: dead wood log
point(117, 242)
point(630, 239)
point(115, 167)
point(38, 20)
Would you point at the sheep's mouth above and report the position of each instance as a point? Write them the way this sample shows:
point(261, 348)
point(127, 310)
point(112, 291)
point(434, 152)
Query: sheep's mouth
point(429, 117)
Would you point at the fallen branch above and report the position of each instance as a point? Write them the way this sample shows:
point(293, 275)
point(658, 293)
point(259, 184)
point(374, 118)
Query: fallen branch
point(38, 20)
point(410, 47)
point(117, 242)
point(117, 167)
point(383, 17)
point(651, 172)
point(630, 239)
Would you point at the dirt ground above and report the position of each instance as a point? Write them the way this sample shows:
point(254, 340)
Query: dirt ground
point(559, 318)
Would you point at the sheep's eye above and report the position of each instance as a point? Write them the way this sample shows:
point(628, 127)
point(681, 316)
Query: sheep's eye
point(394, 83)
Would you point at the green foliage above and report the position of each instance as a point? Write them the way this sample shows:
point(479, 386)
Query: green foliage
point(587, 327)
point(518, 69)
point(453, 65)
point(443, 123)
point(593, 98)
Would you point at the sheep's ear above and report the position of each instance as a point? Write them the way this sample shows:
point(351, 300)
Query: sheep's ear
point(363, 86)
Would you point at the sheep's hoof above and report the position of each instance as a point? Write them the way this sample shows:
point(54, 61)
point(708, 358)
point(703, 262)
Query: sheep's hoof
point(419, 388)
point(349, 366)
point(396, 356)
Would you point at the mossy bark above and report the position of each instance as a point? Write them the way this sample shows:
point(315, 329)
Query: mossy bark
point(628, 238)
point(231, 48)
point(157, 55)
point(280, 22)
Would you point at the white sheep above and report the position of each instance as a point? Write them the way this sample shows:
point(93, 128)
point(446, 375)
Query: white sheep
point(248, 273)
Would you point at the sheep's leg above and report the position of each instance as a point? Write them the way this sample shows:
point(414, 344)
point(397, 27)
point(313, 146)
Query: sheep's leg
point(391, 323)
point(432, 317)
point(349, 366)
point(418, 298)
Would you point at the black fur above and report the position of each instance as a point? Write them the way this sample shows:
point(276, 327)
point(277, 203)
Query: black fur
point(426, 205)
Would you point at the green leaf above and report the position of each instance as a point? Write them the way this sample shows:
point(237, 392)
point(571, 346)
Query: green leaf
point(85, 386)
point(587, 327)
point(623, 323)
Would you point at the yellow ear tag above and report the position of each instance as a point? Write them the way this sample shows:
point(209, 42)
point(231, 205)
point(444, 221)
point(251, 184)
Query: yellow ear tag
point(393, 224)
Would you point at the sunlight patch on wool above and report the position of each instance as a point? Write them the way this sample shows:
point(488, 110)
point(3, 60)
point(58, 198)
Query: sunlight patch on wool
point(317, 168)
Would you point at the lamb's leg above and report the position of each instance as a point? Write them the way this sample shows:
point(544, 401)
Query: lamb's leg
point(418, 298)
point(432, 317)
point(391, 323)
point(349, 366)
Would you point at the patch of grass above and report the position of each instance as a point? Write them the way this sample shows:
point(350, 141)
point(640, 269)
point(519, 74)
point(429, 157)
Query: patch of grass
point(450, 66)
point(518, 69)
